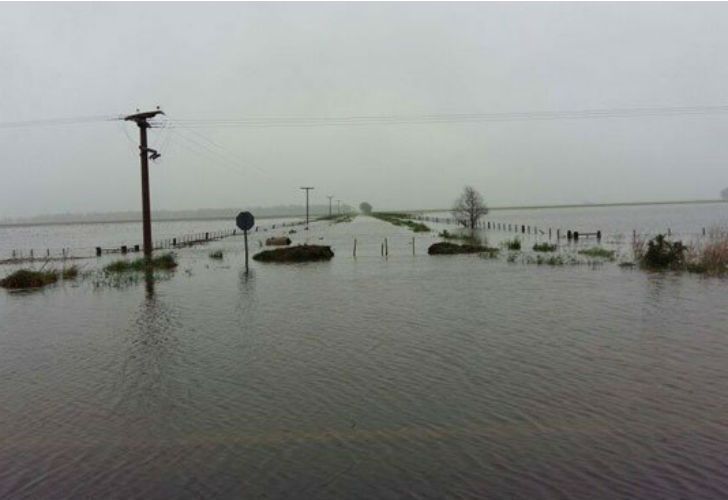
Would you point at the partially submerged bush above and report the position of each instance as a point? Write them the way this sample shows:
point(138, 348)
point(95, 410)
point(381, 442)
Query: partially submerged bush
point(69, 273)
point(514, 244)
point(447, 248)
point(163, 262)
point(28, 278)
point(598, 252)
point(298, 253)
point(544, 247)
point(217, 254)
point(662, 253)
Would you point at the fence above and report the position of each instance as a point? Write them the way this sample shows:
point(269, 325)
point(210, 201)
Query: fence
point(185, 240)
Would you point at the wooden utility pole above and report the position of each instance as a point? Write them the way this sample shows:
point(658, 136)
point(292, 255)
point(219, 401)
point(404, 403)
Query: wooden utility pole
point(144, 153)
point(307, 189)
point(329, 197)
point(339, 204)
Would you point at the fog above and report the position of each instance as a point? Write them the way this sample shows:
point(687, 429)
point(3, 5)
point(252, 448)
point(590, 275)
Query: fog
point(241, 61)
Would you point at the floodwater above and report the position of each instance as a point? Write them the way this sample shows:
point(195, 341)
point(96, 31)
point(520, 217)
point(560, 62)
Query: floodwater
point(405, 376)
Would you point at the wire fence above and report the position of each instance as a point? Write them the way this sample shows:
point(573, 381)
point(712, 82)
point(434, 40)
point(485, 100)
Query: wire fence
point(560, 233)
point(15, 256)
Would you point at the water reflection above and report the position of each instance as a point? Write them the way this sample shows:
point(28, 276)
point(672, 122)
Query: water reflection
point(149, 283)
point(145, 386)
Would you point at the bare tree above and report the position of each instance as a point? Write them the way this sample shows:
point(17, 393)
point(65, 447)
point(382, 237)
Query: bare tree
point(469, 208)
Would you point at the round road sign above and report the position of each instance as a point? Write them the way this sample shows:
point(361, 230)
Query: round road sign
point(245, 221)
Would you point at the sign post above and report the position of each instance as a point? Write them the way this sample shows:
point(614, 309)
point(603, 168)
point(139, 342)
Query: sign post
point(245, 221)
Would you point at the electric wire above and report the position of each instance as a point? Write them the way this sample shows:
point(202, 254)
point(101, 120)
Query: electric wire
point(358, 120)
point(50, 122)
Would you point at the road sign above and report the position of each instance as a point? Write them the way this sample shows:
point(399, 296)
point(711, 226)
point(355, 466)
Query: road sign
point(245, 221)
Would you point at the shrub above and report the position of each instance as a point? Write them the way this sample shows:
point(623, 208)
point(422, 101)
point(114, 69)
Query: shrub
point(662, 253)
point(544, 247)
point(217, 254)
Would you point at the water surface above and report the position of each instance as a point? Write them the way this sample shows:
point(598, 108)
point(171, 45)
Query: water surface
point(367, 377)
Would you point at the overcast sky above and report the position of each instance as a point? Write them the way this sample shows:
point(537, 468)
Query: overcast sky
point(236, 61)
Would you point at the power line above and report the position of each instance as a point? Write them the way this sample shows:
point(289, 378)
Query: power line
point(217, 159)
point(51, 122)
point(414, 119)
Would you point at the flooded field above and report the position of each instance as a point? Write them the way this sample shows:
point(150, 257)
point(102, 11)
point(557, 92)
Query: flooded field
point(407, 376)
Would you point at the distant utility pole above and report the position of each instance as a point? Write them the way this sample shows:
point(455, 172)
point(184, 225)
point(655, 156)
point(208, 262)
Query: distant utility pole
point(329, 197)
point(144, 154)
point(307, 189)
point(339, 203)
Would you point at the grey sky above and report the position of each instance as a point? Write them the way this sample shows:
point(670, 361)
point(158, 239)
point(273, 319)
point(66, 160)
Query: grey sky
point(210, 61)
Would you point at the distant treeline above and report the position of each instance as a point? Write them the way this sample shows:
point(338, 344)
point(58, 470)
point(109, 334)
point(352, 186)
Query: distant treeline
point(169, 215)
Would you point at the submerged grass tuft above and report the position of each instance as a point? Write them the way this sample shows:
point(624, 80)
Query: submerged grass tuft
point(598, 252)
point(28, 278)
point(544, 247)
point(514, 244)
point(163, 262)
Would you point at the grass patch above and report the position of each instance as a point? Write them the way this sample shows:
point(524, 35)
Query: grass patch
point(514, 244)
point(337, 219)
point(399, 219)
point(710, 257)
point(447, 248)
point(217, 254)
point(598, 252)
point(298, 253)
point(27, 278)
point(163, 262)
point(544, 247)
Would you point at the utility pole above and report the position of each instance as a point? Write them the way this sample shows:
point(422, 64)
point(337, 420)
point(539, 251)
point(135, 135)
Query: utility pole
point(339, 203)
point(307, 189)
point(144, 154)
point(329, 197)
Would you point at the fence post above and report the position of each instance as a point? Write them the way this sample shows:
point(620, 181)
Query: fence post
point(354, 247)
point(599, 236)
point(413, 245)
